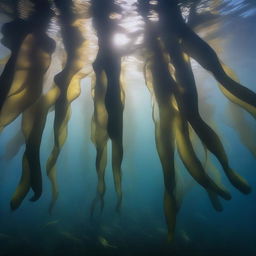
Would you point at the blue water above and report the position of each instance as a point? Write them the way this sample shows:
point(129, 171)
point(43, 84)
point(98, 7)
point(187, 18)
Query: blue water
point(140, 228)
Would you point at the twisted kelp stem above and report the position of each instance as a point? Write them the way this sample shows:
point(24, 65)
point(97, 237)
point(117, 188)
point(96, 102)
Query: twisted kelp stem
point(33, 123)
point(68, 82)
point(108, 63)
point(164, 136)
point(156, 78)
point(99, 132)
point(190, 159)
point(215, 174)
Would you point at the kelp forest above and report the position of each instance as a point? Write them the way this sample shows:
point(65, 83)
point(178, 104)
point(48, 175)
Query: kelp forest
point(50, 47)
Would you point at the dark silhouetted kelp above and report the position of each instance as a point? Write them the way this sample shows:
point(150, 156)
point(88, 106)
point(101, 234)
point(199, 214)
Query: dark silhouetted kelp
point(108, 115)
point(68, 82)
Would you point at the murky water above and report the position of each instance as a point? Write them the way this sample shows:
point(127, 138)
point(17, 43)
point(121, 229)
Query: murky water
point(140, 228)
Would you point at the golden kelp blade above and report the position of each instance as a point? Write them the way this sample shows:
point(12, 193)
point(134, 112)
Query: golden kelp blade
point(236, 117)
point(164, 136)
point(68, 82)
point(23, 187)
point(156, 76)
point(191, 161)
point(13, 36)
point(21, 72)
point(33, 123)
point(99, 134)
point(62, 116)
point(33, 62)
point(109, 61)
point(32, 27)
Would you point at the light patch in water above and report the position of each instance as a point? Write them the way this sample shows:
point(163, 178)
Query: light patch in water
point(120, 39)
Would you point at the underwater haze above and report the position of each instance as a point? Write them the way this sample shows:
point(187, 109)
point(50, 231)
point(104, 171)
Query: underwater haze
point(70, 218)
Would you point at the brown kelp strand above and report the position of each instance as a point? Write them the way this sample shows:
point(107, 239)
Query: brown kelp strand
point(14, 33)
point(164, 136)
point(23, 187)
point(191, 161)
point(68, 82)
point(30, 59)
point(33, 123)
point(206, 164)
point(99, 134)
point(108, 62)
point(156, 75)
point(236, 118)
point(214, 173)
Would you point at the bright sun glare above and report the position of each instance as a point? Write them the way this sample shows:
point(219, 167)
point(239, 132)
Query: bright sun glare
point(120, 39)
